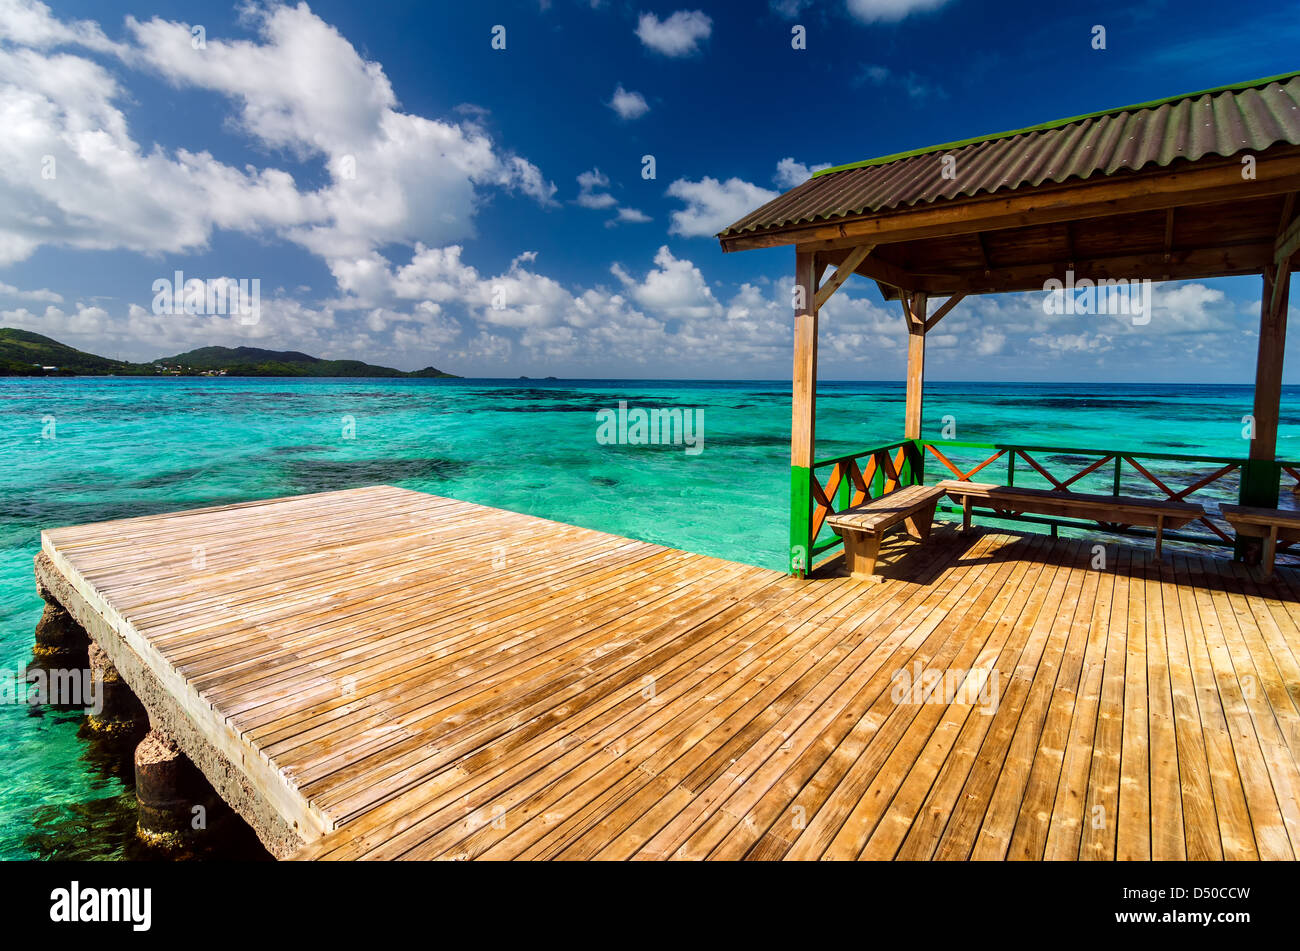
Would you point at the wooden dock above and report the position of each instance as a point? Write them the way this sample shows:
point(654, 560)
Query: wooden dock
point(390, 674)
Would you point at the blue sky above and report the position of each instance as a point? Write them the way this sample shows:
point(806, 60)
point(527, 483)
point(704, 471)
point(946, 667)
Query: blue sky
point(409, 195)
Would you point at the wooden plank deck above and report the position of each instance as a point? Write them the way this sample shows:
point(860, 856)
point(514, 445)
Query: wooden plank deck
point(406, 676)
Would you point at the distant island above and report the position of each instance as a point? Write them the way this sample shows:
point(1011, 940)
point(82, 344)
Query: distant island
point(23, 353)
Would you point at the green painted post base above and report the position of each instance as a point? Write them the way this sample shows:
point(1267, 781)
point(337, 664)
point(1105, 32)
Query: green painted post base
point(800, 520)
point(1261, 482)
point(915, 462)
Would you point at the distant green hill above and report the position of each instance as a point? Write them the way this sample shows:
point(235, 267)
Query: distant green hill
point(253, 361)
point(23, 353)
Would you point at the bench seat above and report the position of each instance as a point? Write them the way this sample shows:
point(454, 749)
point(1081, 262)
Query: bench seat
point(863, 526)
point(1106, 509)
point(1272, 525)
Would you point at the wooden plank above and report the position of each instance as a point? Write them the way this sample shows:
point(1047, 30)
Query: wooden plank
point(1235, 833)
point(960, 835)
point(1005, 803)
point(1241, 712)
point(381, 681)
point(1069, 810)
point(1101, 813)
point(1168, 842)
point(1034, 820)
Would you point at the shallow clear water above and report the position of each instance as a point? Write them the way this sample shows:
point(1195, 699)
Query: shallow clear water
point(74, 451)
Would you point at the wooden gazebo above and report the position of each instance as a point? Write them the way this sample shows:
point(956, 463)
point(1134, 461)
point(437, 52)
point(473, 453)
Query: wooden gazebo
point(1195, 186)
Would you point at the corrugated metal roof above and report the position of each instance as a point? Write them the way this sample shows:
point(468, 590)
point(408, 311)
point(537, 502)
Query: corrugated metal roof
point(1247, 117)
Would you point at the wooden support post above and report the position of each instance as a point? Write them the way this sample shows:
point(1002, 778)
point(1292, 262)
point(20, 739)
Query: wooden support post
point(914, 306)
point(861, 549)
point(803, 416)
point(1270, 552)
point(1261, 476)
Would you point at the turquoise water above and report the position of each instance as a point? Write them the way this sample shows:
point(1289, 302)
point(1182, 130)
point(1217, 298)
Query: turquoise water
point(74, 451)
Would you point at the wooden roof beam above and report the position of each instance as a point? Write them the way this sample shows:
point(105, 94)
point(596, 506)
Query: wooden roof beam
point(942, 312)
point(842, 273)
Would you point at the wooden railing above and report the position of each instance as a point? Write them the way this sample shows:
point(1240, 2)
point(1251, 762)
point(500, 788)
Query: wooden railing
point(840, 482)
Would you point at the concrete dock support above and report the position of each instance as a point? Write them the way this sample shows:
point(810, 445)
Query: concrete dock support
point(119, 710)
point(176, 802)
point(61, 643)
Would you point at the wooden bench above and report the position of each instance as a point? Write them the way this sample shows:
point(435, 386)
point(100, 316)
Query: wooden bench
point(863, 526)
point(1105, 509)
point(1272, 525)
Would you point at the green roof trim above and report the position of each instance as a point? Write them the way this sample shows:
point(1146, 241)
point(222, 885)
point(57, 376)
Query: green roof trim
point(1056, 124)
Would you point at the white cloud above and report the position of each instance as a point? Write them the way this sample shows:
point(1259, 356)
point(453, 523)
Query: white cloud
point(890, 11)
point(914, 86)
point(72, 175)
point(42, 295)
point(789, 8)
point(30, 23)
point(712, 205)
point(137, 333)
point(591, 190)
point(628, 104)
point(674, 289)
point(679, 35)
point(304, 88)
point(592, 194)
point(790, 173)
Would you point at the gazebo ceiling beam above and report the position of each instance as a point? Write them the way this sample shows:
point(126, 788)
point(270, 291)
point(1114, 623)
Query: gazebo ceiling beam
point(984, 252)
point(1182, 265)
point(1169, 240)
point(1284, 249)
point(1287, 244)
point(878, 269)
point(1204, 183)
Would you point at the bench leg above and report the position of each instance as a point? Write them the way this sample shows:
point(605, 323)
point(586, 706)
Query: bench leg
point(965, 514)
point(1160, 536)
point(919, 525)
point(1270, 552)
point(860, 553)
